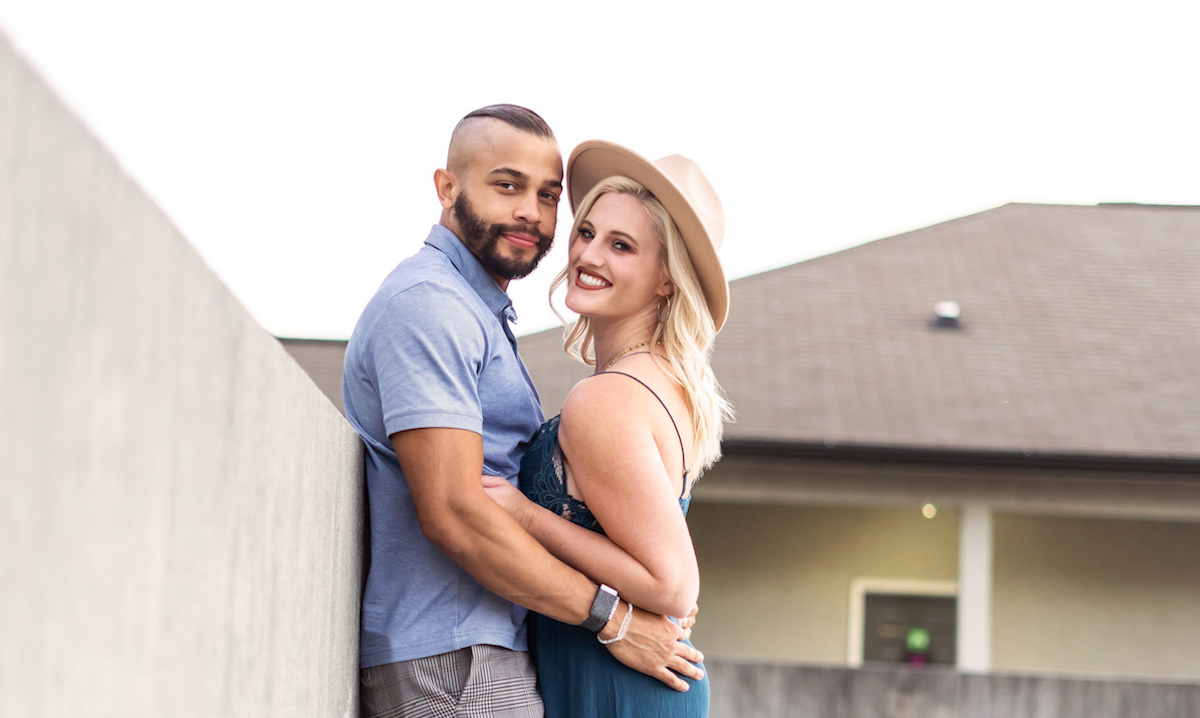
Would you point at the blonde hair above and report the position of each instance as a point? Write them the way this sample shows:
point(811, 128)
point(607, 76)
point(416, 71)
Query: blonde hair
point(686, 335)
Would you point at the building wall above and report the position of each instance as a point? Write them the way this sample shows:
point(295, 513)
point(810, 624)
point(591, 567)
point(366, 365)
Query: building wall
point(181, 520)
point(775, 580)
point(1071, 596)
point(1100, 597)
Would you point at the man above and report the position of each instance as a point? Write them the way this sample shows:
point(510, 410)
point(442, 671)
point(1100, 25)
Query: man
point(435, 386)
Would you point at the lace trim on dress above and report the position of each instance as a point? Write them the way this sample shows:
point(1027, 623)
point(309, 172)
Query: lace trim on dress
point(547, 483)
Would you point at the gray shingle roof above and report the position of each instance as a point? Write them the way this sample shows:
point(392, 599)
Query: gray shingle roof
point(323, 360)
point(1079, 334)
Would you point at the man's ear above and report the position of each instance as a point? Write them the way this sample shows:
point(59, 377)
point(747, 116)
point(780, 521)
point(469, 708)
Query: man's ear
point(446, 183)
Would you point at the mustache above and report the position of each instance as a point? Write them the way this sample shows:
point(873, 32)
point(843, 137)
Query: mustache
point(543, 238)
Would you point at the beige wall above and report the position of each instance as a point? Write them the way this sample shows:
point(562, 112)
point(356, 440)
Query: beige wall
point(1097, 597)
point(181, 518)
point(1106, 597)
point(775, 580)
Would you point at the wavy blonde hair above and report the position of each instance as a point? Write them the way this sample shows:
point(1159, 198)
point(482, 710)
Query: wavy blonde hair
point(686, 335)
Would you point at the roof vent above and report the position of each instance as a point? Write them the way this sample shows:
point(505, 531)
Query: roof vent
point(945, 315)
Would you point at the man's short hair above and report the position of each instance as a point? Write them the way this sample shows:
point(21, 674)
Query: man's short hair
point(522, 118)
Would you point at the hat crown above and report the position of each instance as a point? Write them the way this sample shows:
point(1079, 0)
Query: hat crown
point(689, 178)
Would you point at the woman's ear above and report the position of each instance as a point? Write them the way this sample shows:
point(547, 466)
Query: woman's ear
point(667, 288)
point(446, 183)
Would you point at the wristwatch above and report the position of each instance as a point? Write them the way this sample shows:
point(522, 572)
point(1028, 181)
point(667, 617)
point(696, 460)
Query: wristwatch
point(604, 605)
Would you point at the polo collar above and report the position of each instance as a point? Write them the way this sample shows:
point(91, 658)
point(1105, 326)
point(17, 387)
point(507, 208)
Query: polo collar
point(469, 266)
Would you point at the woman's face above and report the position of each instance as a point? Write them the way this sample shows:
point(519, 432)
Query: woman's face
point(614, 262)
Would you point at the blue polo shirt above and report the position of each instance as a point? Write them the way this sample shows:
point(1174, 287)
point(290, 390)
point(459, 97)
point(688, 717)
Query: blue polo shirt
point(433, 349)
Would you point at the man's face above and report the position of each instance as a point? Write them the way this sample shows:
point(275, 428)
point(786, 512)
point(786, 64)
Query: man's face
point(506, 207)
point(489, 241)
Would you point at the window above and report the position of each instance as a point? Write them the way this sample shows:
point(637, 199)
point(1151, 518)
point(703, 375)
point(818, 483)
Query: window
point(899, 621)
point(917, 630)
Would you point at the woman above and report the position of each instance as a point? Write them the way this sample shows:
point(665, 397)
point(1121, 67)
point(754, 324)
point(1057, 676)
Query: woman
point(606, 484)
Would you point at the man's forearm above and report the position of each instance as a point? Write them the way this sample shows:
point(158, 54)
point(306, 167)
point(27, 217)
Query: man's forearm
point(488, 544)
point(442, 467)
point(603, 560)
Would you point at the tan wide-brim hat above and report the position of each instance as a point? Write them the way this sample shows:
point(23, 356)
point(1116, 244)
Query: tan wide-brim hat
point(683, 189)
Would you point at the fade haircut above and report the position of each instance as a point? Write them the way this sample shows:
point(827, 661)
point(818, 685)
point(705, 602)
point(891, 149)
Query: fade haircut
point(522, 118)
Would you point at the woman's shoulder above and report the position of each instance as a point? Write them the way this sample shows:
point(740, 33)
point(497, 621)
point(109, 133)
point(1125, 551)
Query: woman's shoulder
point(597, 395)
point(632, 390)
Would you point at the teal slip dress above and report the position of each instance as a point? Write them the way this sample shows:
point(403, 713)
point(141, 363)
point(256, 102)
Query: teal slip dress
point(577, 675)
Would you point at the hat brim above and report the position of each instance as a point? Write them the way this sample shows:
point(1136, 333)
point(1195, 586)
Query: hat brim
point(596, 160)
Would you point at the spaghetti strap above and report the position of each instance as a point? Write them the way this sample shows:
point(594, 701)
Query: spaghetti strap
point(682, 453)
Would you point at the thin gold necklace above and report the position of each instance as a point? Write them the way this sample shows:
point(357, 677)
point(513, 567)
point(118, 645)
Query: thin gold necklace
point(622, 353)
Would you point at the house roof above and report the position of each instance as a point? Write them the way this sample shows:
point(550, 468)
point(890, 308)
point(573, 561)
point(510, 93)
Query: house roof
point(1078, 335)
point(323, 360)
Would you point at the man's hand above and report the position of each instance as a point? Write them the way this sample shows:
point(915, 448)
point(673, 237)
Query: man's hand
point(653, 645)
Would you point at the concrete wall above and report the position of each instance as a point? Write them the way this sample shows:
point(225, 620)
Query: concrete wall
point(181, 514)
point(777, 691)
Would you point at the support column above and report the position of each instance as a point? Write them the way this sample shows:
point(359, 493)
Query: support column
point(975, 588)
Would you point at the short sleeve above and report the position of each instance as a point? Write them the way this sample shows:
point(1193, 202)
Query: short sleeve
point(428, 348)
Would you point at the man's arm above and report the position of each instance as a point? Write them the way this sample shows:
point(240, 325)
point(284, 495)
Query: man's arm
point(443, 468)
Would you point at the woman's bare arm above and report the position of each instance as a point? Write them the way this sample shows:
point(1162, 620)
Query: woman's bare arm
point(608, 434)
point(576, 546)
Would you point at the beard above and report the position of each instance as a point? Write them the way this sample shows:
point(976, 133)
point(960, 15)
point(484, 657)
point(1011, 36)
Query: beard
point(484, 241)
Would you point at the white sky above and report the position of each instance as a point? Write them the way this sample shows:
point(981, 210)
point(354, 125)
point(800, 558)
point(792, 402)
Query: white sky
point(294, 143)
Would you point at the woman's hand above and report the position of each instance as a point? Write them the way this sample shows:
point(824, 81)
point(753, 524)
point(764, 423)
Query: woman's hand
point(510, 499)
point(688, 621)
point(654, 646)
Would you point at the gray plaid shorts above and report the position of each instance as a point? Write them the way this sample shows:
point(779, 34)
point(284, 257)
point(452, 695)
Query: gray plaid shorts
point(475, 682)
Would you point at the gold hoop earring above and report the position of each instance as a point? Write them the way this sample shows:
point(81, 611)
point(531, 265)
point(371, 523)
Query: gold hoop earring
point(662, 318)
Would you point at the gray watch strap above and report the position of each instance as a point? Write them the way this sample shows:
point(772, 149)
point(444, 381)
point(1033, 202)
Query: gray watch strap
point(604, 605)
